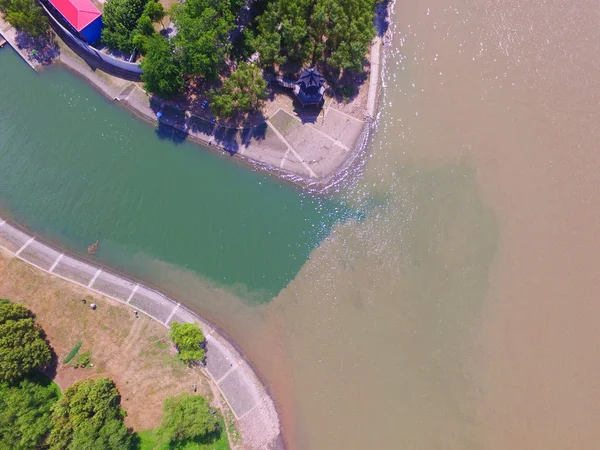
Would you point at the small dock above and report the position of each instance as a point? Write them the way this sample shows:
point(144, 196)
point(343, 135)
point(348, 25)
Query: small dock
point(9, 34)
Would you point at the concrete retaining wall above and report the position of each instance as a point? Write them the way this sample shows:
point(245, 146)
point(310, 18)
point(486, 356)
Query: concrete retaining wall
point(244, 393)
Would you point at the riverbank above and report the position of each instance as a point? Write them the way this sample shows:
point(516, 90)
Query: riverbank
point(234, 378)
point(134, 352)
point(9, 34)
point(307, 147)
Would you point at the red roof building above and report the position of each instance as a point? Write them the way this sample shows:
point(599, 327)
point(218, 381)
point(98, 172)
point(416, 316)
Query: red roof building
point(82, 15)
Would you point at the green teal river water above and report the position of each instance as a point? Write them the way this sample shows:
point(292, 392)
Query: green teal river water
point(75, 168)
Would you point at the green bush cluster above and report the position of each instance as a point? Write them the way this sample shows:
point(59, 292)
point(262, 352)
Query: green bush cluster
point(188, 338)
point(128, 23)
point(337, 33)
point(23, 348)
point(83, 360)
point(244, 90)
point(199, 49)
point(88, 415)
point(72, 353)
point(25, 412)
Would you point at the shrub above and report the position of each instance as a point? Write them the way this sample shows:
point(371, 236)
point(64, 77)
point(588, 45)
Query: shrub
point(244, 90)
point(186, 416)
point(163, 72)
point(83, 360)
point(188, 338)
point(22, 345)
point(120, 19)
point(72, 353)
point(26, 16)
point(25, 412)
point(88, 416)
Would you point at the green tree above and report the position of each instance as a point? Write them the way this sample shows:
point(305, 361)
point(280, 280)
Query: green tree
point(25, 412)
point(26, 16)
point(22, 345)
point(120, 19)
point(332, 31)
point(186, 417)
point(163, 72)
point(283, 31)
point(342, 32)
point(155, 11)
point(188, 338)
point(140, 42)
point(88, 416)
point(144, 26)
point(244, 90)
point(203, 28)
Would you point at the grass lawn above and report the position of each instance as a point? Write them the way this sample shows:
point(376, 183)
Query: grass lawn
point(136, 353)
point(218, 442)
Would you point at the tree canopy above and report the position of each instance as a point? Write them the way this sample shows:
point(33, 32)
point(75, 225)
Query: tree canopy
point(22, 345)
point(120, 19)
point(188, 338)
point(309, 31)
point(163, 72)
point(186, 416)
point(283, 31)
point(26, 16)
point(88, 416)
point(211, 33)
point(244, 90)
point(25, 412)
point(155, 11)
point(144, 28)
point(203, 28)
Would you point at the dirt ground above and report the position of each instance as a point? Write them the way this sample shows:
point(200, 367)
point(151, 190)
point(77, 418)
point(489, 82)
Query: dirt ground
point(136, 353)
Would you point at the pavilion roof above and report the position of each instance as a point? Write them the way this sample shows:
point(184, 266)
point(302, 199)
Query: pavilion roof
point(311, 78)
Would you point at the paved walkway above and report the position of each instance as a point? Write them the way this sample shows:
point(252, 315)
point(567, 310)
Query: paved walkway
point(248, 399)
point(313, 150)
point(375, 74)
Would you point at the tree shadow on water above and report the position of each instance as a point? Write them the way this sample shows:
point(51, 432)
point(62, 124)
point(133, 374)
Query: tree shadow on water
point(167, 132)
point(382, 19)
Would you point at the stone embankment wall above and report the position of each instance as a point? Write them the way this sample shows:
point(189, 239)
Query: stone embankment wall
point(248, 399)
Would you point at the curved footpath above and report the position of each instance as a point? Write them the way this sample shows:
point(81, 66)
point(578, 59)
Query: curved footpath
point(241, 388)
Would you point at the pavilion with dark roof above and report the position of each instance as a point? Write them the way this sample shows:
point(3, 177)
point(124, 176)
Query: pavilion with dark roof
point(310, 87)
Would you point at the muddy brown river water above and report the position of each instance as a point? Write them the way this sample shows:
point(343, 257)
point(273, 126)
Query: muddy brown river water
point(463, 313)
